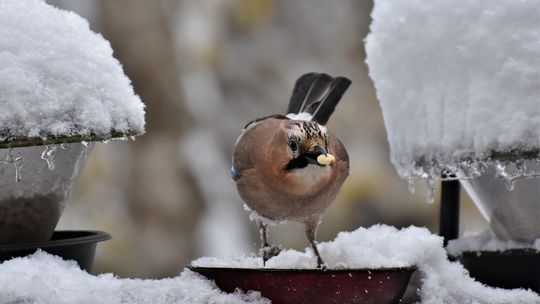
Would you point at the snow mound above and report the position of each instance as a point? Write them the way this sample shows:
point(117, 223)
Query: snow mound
point(44, 278)
point(58, 78)
point(486, 241)
point(458, 84)
point(383, 246)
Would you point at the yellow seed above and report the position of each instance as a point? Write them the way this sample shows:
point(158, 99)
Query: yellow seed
point(326, 159)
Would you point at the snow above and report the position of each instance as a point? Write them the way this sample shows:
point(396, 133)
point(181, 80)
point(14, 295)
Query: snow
point(44, 278)
point(384, 246)
point(58, 78)
point(456, 82)
point(486, 241)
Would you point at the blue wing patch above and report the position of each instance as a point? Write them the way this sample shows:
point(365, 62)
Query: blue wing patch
point(234, 174)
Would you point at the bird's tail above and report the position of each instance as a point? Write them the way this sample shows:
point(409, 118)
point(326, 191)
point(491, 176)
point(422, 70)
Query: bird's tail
point(317, 94)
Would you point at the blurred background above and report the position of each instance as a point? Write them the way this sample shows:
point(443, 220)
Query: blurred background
point(205, 68)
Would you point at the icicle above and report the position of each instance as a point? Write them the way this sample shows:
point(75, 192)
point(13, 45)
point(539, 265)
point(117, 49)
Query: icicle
point(502, 174)
point(510, 183)
point(16, 162)
point(48, 155)
point(520, 167)
point(430, 183)
point(410, 185)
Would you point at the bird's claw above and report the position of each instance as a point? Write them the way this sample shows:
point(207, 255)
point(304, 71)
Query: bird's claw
point(322, 266)
point(269, 252)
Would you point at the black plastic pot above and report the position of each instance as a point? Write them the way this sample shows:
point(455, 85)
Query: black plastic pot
point(79, 246)
point(516, 268)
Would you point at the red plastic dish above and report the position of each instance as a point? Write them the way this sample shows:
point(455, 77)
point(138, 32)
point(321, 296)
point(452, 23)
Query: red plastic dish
point(376, 286)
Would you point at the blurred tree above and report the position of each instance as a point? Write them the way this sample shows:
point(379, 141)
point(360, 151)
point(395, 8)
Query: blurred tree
point(161, 194)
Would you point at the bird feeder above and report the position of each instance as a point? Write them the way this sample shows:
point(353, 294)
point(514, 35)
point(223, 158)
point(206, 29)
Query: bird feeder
point(60, 90)
point(460, 102)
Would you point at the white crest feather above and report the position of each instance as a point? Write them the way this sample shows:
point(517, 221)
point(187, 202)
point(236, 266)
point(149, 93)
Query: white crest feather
point(300, 116)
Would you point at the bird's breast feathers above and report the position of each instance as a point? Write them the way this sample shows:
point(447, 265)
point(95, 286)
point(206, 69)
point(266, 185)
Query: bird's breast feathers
point(308, 178)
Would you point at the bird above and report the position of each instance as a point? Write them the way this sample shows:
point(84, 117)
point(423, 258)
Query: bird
point(290, 167)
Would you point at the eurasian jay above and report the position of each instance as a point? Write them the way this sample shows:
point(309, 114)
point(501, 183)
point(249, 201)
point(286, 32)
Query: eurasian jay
point(290, 167)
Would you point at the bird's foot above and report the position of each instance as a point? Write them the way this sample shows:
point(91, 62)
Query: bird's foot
point(268, 252)
point(321, 265)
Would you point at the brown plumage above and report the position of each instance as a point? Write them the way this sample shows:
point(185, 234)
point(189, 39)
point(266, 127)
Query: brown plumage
point(276, 166)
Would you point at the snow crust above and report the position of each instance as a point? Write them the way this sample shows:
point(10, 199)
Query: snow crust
point(486, 241)
point(44, 278)
point(58, 78)
point(383, 246)
point(456, 82)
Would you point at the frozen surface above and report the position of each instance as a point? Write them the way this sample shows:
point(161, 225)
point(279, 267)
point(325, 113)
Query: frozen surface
point(456, 82)
point(43, 278)
point(486, 241)
point(57, 77)
point(384, 246)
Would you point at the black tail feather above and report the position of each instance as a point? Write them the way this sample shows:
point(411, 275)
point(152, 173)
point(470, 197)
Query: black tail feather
point(329, 103)
point(317, 94)
point(309, 88)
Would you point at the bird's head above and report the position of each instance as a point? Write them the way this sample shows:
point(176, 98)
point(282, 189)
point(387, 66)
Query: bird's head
point(307, 144)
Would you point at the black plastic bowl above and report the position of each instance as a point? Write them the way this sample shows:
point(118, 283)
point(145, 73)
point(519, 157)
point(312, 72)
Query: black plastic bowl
point(515, 268)
point(79, 246)
point(314, 286)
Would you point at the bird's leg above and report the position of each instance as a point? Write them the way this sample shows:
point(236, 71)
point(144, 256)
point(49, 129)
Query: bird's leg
point(311, 227)
point(267, 252)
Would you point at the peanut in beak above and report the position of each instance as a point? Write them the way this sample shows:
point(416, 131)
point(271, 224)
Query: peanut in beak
point(326, 159)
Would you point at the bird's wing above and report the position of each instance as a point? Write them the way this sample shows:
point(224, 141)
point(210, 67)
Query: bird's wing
point(317, 94)
point(336, 147)
point(251, 145)
point(256, 120)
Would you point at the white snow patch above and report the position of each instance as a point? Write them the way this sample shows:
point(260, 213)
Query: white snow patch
point(300, 116)
point(456, 82)
point(486, 241)
point(383, 246)
point(57, 77)
point(44, 278)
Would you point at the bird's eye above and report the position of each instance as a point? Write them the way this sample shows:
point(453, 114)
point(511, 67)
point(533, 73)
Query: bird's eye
point(293, 146)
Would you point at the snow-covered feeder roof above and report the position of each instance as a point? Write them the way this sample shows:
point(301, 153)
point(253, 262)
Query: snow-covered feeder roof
point(458, 83)
point(59, 81)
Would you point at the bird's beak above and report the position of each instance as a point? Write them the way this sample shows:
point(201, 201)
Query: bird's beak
point(313, 156)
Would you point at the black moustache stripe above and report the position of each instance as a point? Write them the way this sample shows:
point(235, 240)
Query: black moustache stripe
point(297, 163)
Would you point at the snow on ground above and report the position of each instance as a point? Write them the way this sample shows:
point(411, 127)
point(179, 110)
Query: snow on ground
point(384, 246)
point(486, 241)
point(455, 81)
point(57, 77)
point(43, 278)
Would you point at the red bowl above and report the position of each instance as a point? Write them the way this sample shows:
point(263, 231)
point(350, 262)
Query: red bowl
point(377, 286)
